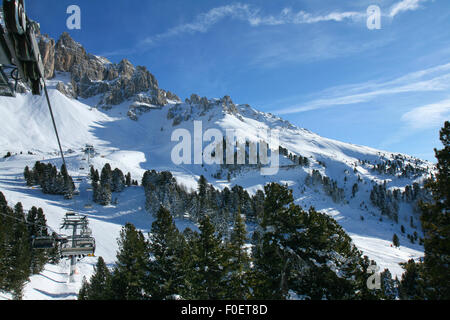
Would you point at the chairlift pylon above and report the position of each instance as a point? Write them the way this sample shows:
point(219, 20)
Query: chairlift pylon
point(81, 243)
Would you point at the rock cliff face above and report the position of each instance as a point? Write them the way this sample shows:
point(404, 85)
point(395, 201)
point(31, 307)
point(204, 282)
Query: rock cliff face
point(93, 75)
point(47, 48)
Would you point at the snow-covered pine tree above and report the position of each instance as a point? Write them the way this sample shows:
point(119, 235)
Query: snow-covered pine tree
point(128, 180)
point(208, 281)
point(396, 241)
point(305, 253)
point(117, 181)
point(98, 286)
point(238, 287)
point(130, 272)
point(166, 274)
point(106, 176)
point(436, 225)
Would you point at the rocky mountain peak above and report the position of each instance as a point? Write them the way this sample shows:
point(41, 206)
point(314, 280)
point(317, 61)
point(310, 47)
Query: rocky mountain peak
point(92, 75)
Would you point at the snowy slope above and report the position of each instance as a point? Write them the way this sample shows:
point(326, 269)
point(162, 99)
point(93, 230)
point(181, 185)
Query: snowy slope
point(136, 146)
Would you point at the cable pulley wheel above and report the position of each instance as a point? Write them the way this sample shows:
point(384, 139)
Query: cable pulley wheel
point(15, 17)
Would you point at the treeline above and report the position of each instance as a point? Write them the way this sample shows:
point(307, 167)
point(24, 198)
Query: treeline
point(330, 186)
point(163, 189)
point(107, 182)
point(294, 254)
point(50, 180)
point(18, 261)
point(296, 159)
point(388, 200)
point(397, 167)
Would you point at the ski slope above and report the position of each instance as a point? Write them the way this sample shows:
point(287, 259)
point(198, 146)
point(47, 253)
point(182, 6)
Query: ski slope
point(145, 144)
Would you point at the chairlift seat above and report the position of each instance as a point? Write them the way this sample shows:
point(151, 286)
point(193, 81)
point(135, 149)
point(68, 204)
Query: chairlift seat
point(78, 246)
point(43, 243)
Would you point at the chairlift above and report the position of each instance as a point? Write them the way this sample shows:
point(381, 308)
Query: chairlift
point(88, 206)
point(78, 246)
point(43, 242)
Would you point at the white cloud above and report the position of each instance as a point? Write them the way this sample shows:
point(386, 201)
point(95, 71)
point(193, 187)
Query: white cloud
point(404, 5)
point(251, 15)
point(428, 80)
point(428, 116)
point(204, 21)
point(288, 17)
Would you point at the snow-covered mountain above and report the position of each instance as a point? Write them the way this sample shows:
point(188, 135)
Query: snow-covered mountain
point(120, 109)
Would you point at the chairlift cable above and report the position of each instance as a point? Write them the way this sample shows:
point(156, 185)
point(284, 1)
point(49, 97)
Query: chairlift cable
point(24, 221)
point(54, 125)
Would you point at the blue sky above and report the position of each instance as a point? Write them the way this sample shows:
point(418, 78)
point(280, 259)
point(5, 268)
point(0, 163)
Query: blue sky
point(313, 62)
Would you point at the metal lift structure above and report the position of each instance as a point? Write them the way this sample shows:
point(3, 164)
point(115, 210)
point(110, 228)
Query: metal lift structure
point(20, 58)
point(81, 243)
point(21, 62)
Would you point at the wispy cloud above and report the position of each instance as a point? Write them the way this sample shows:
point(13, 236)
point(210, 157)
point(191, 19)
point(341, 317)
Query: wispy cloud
point(204, 21)
point(254, 17)
point(428, 116)
point(251, 15)
point(427, 80)
point(405, 5)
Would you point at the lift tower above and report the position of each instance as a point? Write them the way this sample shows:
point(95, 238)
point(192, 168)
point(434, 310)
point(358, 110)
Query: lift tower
point(80, 243)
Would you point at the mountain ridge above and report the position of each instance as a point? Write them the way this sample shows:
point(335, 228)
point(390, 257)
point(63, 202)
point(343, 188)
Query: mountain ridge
point(130, 121)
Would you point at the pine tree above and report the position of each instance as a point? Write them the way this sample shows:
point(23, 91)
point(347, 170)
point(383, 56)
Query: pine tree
point(411, 285)
point(188, 264)
point(104, 195)
point(28, 176)
point(238, 262)
point(117, 181)
point(128, 180)
point(395, 241)
point(82, 294)
point(436, 225)
point(210, 263)
point(68, 186)
point(129, 275)
point(270, 258)
point(389, 287)
point(202, 188)
point(36, 228)
point(294, 254)
point(3, 202)
point(106, 176)
point(98, 284)
point(95, 177)
point(92, 172)
point(165, 269)
point(19, 253)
